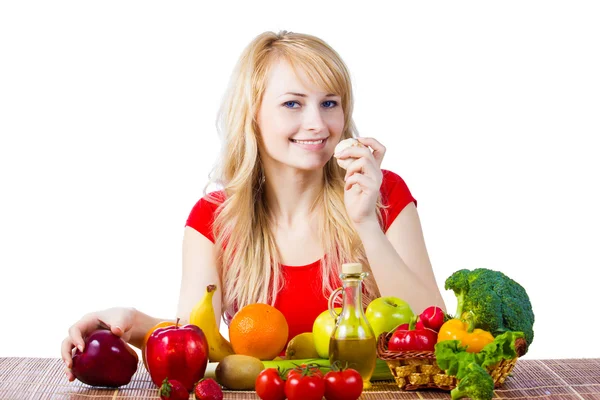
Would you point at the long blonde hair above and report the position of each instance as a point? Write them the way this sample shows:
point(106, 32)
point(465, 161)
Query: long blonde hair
point(248, 259)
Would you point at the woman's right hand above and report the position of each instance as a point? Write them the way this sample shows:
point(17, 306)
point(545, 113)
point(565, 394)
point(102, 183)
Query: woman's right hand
point(118, 320)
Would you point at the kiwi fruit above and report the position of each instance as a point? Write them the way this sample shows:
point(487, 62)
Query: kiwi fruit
point(238, 372)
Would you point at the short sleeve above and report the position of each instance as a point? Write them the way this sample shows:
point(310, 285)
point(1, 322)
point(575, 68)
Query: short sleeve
point(203, 214)
point(395, 195)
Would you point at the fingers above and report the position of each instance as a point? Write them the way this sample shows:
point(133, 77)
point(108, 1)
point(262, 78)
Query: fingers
point(75, 339)
point(354, 152)
point(80, 328)
point(67, 356)
point(366, 184)
point(121, 325)
point(361, 166)
point(66, 350)
point(77, 331)
point(378, 148)
point(361, 155)
point(69, 374)
point(116, 330)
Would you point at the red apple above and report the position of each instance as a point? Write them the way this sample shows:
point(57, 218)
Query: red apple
point(179, 353)
point(106, 360)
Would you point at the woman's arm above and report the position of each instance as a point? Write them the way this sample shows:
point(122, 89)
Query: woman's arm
point(199, 271)
point(399, 260)
point(142, 324)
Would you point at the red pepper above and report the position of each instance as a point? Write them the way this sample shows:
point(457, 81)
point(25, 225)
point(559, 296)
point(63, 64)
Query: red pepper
point(413, 339)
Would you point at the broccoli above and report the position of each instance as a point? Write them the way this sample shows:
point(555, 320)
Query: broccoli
point(476, 384)
point(498, 303)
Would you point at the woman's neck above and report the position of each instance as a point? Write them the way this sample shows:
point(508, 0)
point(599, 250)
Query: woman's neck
point(292, 194)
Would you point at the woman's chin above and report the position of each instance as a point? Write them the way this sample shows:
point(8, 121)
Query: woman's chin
point(312, 166)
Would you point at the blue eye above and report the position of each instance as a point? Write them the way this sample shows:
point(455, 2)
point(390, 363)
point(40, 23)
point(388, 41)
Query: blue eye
point(290, 104)
point(326, 104)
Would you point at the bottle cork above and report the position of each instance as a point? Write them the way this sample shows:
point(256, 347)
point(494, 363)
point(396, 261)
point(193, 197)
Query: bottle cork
point(352, 268)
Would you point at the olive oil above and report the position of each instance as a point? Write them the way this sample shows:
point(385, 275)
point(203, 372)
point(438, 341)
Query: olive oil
point(360, 354)
point(352, 341)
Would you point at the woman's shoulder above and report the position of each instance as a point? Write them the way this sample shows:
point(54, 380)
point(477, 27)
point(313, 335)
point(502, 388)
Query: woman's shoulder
point(217, 197)
point(210, 201)
point(392, 182)
point(390, 175)
point(202, 216)
point(395, 195)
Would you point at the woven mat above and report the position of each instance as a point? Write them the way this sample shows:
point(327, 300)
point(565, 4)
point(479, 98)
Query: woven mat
point(43, 378)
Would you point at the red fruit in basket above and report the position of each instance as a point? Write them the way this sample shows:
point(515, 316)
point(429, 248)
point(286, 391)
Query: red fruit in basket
point(413, 340)
point(173, 390)
point(432, 318)
point(179, 353)
point(208, 389)
point(106, 360)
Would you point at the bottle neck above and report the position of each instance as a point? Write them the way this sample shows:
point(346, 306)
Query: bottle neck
point(352, 298)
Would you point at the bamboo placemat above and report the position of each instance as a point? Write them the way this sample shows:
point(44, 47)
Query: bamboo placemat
point(43, 378)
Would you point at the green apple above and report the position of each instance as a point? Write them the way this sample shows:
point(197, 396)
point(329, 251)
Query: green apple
point(322, 330)
point(386, 313)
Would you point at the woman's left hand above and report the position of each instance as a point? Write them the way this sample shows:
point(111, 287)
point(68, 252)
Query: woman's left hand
point(363, 180)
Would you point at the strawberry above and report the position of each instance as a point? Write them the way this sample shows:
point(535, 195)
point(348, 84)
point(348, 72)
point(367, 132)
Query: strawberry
point(208, 389)
point(173, 390)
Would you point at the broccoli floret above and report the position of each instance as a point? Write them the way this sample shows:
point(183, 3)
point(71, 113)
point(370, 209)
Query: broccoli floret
point(498, 303)
point(459, 283)
point(476, 384)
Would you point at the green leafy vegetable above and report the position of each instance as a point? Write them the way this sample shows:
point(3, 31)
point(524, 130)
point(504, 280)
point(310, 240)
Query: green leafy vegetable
point(470, 368)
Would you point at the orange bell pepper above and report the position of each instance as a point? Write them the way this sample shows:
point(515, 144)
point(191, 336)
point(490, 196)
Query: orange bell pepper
point(473, 339)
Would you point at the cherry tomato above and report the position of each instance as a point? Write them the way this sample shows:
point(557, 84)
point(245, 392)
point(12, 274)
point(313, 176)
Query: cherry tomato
point(314, 370)
point(343, 385)
point(305, 384)
point(269, 385)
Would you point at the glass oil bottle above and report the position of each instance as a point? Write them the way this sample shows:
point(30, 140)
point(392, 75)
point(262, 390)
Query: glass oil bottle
point(352, 342)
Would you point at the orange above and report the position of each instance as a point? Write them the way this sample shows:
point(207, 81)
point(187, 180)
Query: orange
point(258, 330)
point(155, 327)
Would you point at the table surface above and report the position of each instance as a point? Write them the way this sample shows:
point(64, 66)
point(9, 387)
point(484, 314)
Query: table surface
point(43, 378)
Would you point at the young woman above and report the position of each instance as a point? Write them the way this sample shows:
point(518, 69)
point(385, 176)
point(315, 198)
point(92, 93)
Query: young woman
point(288, 215)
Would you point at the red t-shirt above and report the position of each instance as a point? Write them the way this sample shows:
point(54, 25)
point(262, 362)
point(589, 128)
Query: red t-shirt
point(305, 282)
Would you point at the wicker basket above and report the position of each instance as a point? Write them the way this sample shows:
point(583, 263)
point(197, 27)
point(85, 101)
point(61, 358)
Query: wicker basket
point(415, 370)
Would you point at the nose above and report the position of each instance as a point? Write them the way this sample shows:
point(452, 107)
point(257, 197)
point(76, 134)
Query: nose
point(313, 119)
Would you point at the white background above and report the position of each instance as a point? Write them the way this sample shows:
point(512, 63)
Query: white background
point(107, 121)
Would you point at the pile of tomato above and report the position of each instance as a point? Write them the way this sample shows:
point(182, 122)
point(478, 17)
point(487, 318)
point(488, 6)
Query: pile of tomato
point(307, 382)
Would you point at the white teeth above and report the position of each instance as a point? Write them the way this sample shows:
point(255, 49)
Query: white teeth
point(308, 141)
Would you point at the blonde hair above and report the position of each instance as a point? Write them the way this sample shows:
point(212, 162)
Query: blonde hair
point(248, 258)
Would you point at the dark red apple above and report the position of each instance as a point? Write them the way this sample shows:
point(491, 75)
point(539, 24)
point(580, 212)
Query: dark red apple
point(106, 360)
point(179, 353)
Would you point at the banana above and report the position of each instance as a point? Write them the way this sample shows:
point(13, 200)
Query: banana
point(203, 316)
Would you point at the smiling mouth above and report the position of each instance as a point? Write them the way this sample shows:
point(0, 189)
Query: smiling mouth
point(308, 141)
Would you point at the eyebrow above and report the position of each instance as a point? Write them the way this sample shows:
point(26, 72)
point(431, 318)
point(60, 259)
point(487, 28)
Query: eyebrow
point(303, 95)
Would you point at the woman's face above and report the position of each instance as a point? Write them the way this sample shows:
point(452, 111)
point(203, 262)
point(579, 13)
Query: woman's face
point(299, 123)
